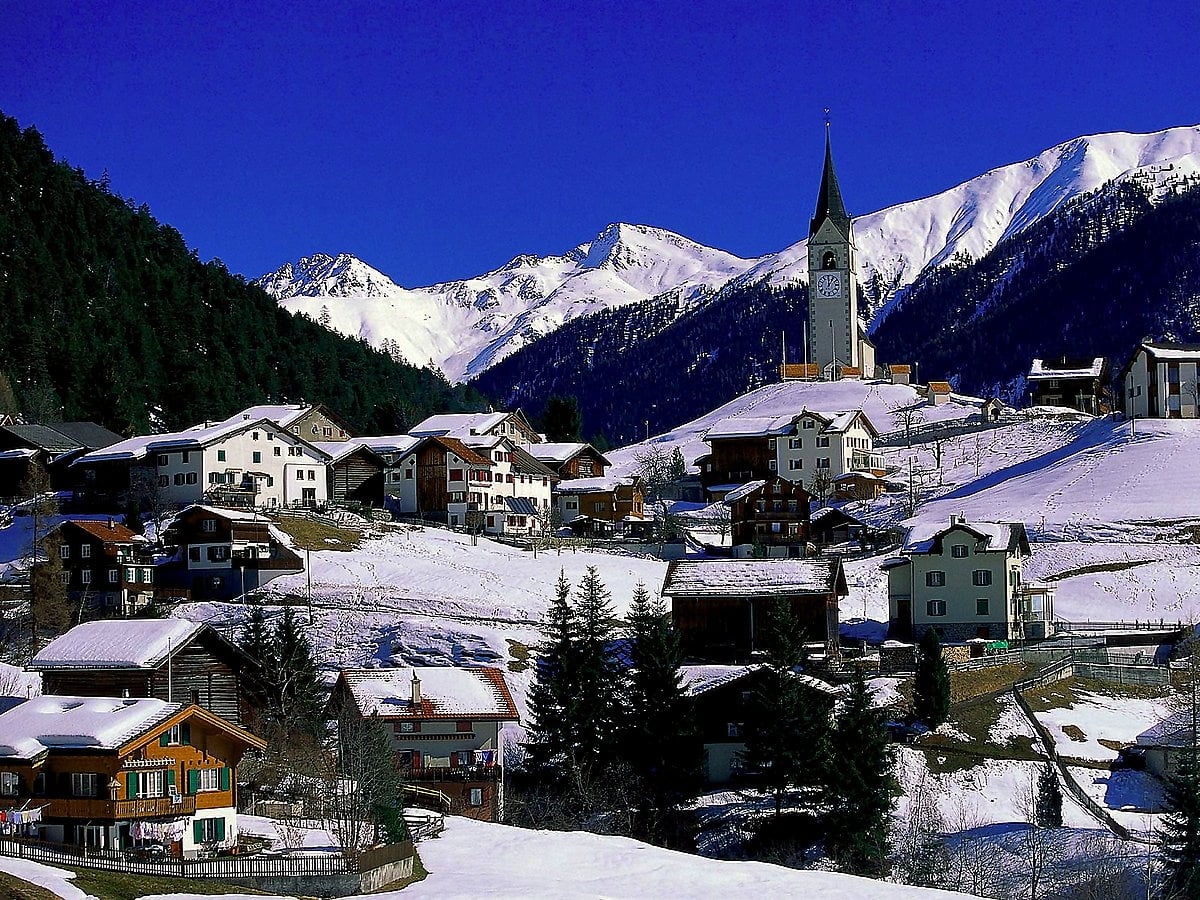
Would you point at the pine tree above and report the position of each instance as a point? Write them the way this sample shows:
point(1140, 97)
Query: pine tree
point(1049, 799)
point(562, 420)
point(787, 722)
point(598, 678)
point(1179, 834)
point(660, 742)
point(931, 684)
point(860, 788)
point(552, 734)
point(298, 694)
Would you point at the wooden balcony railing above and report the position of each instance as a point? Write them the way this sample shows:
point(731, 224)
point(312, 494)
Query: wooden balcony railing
point(103, 808)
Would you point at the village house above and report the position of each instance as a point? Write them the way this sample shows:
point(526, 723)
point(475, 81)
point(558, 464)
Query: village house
point(600, 505)
point(571, 460)
point(858, 486)
point(769, 516)
point(173, 660)
point(899, 374)
point(964, 580)
point(721, 700)
point(106, 568)
point(938, 393)
point(446, 725)
point(1162, 381)
point(1076, 383)
point(811, 448)
point(239, 462)
point(466, 426)
point(312, 422)
point(47, 451)
point(220, 554)
point(354, 473)
point(722, 607)
point(119, 773)
point(518, 499)
point(830, 526)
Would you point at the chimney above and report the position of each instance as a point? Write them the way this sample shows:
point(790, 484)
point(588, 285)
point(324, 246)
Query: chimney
point(416, 691)
point(112, 523)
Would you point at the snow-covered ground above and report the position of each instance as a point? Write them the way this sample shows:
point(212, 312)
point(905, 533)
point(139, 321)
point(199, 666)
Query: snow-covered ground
point(1092, 717)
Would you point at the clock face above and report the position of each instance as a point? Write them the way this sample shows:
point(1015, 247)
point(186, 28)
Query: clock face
point(829, 284)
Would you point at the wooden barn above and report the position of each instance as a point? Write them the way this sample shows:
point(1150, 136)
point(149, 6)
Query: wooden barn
point(721, 606)
point(354, 473)
point(172, 659)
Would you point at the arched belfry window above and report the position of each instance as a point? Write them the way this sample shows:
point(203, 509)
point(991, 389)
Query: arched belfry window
point(829, 260)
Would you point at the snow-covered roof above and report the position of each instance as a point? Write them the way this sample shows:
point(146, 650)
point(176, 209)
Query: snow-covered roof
point(744, 491)
point(595, 485)
point(752, 577)
point(1165, 350)
point(233, 515)
point(561, 452)
point(282, 414)
point(446, 692)
point(17, 454)
point(749, 426)
point(195, 437)
point(389, 443)
point(459, 425)
point(58, 722)
point(113, 644)
point(701, 679)
point(925, 537)
point(337, 450)
point(1043, 368)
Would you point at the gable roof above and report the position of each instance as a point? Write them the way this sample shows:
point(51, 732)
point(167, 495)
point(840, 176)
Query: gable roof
point(900, 370)
point(106, 530)
point(744, 491)
point(54, 722)
point(524, 462)
point(465, 425)
point(454, 445)
point(198, 436)
point(749, 426)
point(447, 692)
point(939, 387)
point(562, 453)
point(1067, 368)
point(754, 577)
point(116, 644)
point(43, 437)
point(392, 443)
point(339, 450)
point(927, 537)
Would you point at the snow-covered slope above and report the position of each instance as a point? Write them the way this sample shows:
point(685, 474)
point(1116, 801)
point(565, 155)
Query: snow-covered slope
point(462, 327)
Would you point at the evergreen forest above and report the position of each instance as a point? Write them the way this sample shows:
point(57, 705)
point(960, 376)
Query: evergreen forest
point(109, 316)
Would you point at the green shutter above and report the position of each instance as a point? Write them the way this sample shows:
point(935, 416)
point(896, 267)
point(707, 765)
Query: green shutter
point(198, 831)
point(170, 778)
point(185, 733)
point(224, 778)
point(130, 785)
point(193, 781)
point(221, 828)
point(164, 738)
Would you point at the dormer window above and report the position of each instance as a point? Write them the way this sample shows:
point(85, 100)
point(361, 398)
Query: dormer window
point(829, 260)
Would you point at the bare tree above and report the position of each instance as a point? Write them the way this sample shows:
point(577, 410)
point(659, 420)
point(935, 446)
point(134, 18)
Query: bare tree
point(905, 418)
point(821, 484)
point(654, 465)
point(1041, 848)
point(919, 849)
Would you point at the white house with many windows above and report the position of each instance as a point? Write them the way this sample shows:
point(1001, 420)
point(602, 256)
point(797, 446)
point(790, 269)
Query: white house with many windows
point(1162, 381)
point(235, 462)
point(965, 581)
point(837, 442)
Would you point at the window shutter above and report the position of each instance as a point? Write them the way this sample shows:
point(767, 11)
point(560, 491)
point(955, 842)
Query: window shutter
point(221, 829)
point(185, 732)
point(224, 778)
point(164, 738)
point(170, 779)
point(130, 785)
point(193, 781)
point(198, 831)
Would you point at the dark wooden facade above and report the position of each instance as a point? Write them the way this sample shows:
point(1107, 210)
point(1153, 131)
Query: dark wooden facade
point(105, 568)
point(776, 514)
point(207, 671)
point(733, 629)
point(356, 477)
point(736, 461)
point(433, 495)
point(1087, 393)
point(587, 463)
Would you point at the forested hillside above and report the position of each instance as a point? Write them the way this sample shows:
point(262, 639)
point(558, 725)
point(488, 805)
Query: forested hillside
point(1091, 280)
point(626, 369)
point(109, 316)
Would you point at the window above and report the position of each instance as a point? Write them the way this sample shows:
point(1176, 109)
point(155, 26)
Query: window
point(456, 474)
point(256, 456)
point(463, 725)
point(131, 575)
point(408, 474)
point(220, 456)
point(822, 462)
point(808, 423)
point(476, 798)
point(981, 577)
point(194, 554)
point(208, 831)
point(218, 554)
point(64, 577)
point(162, 459)
point(275, 451)
point(312, 475)
point(1015, 577)
point(208, 526)
point(164, 480)
point(935, 579)
point(192, 477)
point(254, 435)
point(85, 551)
point(86, 576)
point(147, 576)
point(772, 465)
point(215, 478)
point(8, 783)
point(178, 478)
point(295, 429)
point(936, 607)
point(981, 607)
point(733, 729)
point(270, 435)
point(148, 783)
point(829, 260)
point(175, 735)
point(208, 780)
point(64, 552)
point(959, 551)
point(822, 441)
point(185, 456)
point(85, 784)
point(114, 575)
point(327, 432)
point(795, 464)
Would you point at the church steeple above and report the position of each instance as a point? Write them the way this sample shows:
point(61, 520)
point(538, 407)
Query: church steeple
point(829, 199)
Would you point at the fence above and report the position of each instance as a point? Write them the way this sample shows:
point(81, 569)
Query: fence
point(1094, 663)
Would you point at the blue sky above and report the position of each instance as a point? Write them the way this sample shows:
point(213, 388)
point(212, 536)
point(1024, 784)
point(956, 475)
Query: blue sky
point(438, 140)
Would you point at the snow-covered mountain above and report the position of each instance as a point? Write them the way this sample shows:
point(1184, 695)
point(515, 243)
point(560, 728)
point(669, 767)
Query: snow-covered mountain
point(462, 327)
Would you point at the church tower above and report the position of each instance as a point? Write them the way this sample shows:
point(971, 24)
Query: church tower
point(834, 334)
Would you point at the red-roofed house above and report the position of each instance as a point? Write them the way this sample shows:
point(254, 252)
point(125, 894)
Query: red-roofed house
point(105, 566)
point(446, 725)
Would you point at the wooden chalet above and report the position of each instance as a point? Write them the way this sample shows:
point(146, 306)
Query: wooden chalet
point(858, 486)
point(833, 526)
point(721, 606)
point(174, 660)
point(48, 450)
point(1080, 383)
point(446, 724)
point(121, 773)
point(224, 553)
point(771, 513)
point(741, 451)
point(600, 505)
point(571, 460)
point(355, 473)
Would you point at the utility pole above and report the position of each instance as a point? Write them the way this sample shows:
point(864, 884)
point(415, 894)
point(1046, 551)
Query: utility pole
point(308, 572)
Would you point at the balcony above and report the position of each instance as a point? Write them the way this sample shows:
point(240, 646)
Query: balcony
point(102, 808)
point(451, 773)
point(867, 462)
